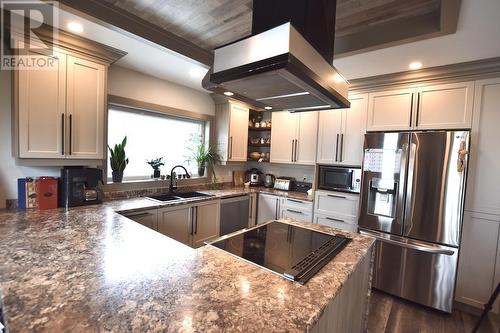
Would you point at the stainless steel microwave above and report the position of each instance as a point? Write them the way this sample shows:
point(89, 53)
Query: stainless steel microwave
point(335, 178)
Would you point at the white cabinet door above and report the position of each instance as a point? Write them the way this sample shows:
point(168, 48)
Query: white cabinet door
point(238, 133)
point(306, 138)
point(390, 110)
point(329, 130)
point(483, 190)
point(41, 105)
point(176, 223)
point(85, 105)
point(445, 106)
point(268, 208)
point(478, 250)
point(283, 134)
point(333, 222)
point(148, 218)
point(353, 131)
point(206, 224)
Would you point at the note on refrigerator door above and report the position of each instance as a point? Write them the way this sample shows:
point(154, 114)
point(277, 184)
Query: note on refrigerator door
point(382, 160)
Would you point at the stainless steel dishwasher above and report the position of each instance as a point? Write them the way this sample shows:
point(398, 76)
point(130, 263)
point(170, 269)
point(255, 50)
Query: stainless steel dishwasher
point(234, 214)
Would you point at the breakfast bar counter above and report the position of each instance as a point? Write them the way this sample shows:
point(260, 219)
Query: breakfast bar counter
point(90, 269)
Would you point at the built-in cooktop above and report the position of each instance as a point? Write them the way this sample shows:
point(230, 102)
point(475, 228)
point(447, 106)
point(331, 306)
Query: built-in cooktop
point(291, 251)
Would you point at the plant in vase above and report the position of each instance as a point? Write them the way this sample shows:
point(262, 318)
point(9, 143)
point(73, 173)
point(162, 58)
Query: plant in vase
point(118, 160)
point(205, 156)
point(156, 163)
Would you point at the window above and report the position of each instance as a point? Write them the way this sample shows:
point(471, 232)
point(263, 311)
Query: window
point(151, 135)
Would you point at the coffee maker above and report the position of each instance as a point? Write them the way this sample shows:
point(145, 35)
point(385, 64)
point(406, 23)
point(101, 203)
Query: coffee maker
point(78, 186)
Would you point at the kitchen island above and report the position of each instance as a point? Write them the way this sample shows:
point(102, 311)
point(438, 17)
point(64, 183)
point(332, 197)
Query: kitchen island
point(91, 269)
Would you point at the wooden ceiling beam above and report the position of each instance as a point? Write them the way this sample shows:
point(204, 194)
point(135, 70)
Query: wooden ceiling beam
point(121, 20)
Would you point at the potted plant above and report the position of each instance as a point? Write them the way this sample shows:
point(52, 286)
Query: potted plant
point(156, 163)
point(118, 160)
point(205, 156)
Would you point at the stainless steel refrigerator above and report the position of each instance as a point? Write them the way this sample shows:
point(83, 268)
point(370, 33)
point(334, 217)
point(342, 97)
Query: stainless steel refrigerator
point(412, 198)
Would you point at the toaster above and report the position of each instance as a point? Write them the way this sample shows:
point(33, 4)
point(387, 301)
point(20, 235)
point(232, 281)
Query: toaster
point(283, 183)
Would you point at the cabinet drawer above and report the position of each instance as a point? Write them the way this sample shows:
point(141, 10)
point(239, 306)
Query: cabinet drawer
point(290, 213)
point(334, 222)
point(305, 206)
point(337, 203)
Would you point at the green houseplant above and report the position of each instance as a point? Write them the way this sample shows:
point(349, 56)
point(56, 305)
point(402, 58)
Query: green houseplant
point(205, 156)
point(118, 160)
point(156, 163)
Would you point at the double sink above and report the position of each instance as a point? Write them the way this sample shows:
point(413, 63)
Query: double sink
point(166, 197)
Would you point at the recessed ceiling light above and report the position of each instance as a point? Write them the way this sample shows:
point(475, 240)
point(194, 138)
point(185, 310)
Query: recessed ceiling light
point(75, 27)
point(268, 107)
point(228, 93)
point(415, 65)
point(196, 72)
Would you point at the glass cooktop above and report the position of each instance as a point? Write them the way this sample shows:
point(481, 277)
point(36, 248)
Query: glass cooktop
point(291, 251)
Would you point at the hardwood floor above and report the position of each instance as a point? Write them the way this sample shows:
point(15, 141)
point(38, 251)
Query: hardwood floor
point(390, 314)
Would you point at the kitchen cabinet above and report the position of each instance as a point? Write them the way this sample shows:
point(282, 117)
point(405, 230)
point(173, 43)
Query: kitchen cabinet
point(341, 133)
point(206, 222)
point(337, 210)
point(85, 103)
point(232, 131)
point(294, 137)
point(299, 210)
point(61, 110)
point(190, 224)
point(176, 222)
point(478, 254)
point(483, 192)
point(268, 208)
point(342, 224)
point(148, 218)
point(444, 106)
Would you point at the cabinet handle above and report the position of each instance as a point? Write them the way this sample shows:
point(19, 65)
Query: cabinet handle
point(192, 222)
point(276, 212)
point(195, 209)
point(336, 220)
point(296, 148)
point(417, 110)
point(336, 196)
point(251, 207)
point(341, 147)
point(411, 109)
point(230, 147)
point(337, 148)
point(63, 130)
point(294, 211)
point(70, 134)
point(293, 200)
point(138, 215)
point(291, 158)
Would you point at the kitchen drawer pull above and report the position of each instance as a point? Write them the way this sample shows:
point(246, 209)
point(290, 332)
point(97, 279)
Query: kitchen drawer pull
point(63, 130)
point(294, 200)
point(336, 196)
point(335, 220)
point(137, 215)
point(294, 211)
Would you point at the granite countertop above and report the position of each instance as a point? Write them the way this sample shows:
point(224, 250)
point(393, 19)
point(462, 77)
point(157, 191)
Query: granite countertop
point(91, 269)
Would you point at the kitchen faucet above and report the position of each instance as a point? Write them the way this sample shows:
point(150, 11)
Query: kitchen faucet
point(173, 187)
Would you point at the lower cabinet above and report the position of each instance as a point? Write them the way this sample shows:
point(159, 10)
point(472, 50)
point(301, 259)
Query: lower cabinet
point(299, 210)
point(148, 218)
point(342, 224)
point(190, 224)
point(268, 208)
point(337, 210)
point(479, 265)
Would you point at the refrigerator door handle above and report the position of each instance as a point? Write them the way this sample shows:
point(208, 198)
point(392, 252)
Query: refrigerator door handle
point(409, 186)
point(409, 245)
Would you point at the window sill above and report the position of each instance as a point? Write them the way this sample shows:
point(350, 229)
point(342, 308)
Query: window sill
point(135, 184)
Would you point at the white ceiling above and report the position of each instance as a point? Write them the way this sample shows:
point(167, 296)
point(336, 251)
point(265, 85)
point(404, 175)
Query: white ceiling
point(477, 37)
point(142, 56)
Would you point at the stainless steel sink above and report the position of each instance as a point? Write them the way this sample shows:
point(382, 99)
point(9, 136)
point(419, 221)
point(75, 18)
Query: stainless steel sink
point(178, 196)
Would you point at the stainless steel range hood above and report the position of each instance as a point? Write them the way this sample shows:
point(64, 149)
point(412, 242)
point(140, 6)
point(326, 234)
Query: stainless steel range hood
point(278, 68)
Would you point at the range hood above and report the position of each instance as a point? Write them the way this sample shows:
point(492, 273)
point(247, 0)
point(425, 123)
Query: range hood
point(279, 68)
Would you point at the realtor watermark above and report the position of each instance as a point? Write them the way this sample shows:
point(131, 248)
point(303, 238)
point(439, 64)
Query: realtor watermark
point(28, 32)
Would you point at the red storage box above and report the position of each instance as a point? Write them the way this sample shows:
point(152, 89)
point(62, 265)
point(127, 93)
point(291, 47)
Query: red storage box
point(46, 189)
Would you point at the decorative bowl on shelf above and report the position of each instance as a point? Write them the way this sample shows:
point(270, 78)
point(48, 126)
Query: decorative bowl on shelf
point(254, 141)
point(254, 155)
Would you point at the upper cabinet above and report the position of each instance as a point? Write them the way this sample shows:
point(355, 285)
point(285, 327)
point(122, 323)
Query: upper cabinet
point(60, 111)
point(341, 133)
point(445, 106)
point(483, 192)
point(294, 137)
point(232, 131)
